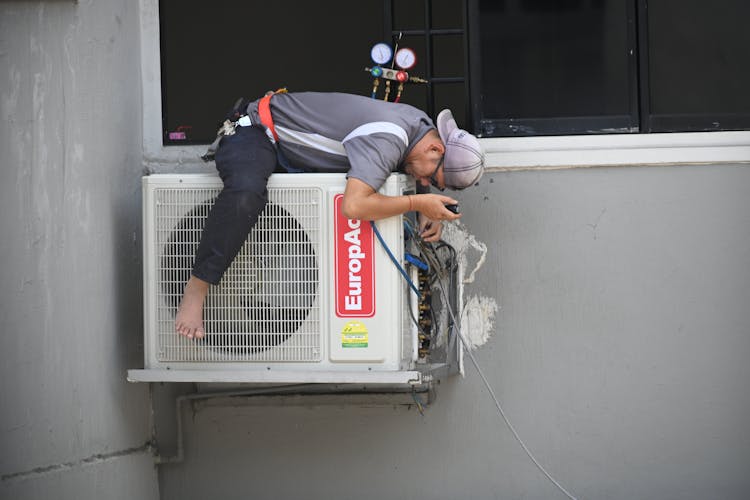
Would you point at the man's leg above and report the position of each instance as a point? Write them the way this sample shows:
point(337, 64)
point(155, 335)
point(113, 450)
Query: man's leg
point(244, 160)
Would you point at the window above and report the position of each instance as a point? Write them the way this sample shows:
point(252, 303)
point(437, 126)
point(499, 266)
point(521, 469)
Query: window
point(505, 67)
point(696, 65)
point(549, 67)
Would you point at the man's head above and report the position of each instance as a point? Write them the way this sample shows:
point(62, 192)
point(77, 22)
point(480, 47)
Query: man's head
point(447, 158)
point(464, 158)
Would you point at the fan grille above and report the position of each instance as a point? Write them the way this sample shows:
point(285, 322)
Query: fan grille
point(266, 306)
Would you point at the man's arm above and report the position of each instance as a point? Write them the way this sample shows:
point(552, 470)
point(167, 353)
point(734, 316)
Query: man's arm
point(363, 202)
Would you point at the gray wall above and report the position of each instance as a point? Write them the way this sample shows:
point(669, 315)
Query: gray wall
point(620, 355)
point(71, 427)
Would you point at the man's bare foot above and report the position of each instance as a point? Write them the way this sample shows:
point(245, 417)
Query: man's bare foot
point(189, 320)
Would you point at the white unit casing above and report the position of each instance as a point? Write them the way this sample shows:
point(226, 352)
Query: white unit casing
point(311, 297)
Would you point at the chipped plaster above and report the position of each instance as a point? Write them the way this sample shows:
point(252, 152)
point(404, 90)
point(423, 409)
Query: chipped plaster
point(477, 318)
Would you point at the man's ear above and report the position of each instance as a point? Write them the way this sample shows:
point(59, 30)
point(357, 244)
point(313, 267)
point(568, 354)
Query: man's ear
point(438, 147)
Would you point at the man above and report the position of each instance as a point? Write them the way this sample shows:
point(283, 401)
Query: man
point(327, 132)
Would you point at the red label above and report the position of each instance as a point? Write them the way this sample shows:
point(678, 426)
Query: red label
point(354, 251)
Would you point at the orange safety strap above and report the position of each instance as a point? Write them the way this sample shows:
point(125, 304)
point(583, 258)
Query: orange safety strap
point(264, 111)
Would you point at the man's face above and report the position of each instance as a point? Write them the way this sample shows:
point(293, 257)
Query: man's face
point(427, 169)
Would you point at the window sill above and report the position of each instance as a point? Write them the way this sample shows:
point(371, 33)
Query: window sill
point(558, 152)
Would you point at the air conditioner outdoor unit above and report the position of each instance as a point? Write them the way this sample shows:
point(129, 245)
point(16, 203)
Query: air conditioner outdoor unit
point(312, 297)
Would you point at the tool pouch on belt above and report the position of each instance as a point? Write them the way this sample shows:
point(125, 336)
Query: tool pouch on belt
point(227, 128)
point(239, 110)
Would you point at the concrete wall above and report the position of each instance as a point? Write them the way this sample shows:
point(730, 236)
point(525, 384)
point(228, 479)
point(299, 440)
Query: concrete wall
point(71, 427)
point(619, 353)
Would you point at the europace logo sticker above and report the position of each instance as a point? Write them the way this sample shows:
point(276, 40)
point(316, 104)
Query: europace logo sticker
point(354, 248)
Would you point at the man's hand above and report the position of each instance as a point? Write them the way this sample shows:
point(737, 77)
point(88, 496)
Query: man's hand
point(429, 230)
point(432, 206)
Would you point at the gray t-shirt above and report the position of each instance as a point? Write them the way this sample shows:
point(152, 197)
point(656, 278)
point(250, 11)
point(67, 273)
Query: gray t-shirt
point(331, 132)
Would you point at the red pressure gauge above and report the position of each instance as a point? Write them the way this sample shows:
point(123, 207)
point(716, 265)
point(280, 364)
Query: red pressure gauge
point(405, 58)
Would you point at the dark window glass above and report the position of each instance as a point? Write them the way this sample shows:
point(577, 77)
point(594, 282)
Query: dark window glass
point(408, 14)
point(447, 14)
point(214, 52)
point(448, 56)
point(699, 64)
point(601, 66)
point(452, 96)
point(556, 66)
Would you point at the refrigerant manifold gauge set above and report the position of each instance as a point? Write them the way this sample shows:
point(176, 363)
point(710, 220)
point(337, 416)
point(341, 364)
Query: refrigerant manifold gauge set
point(401, 60)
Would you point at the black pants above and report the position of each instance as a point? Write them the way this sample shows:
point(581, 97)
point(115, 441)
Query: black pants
point(245, 161)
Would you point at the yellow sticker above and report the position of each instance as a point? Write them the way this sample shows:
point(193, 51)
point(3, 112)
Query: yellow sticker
point(354, 334)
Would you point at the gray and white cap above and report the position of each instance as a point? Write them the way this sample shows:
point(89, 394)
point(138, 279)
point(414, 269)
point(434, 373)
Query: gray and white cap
point(464, 158)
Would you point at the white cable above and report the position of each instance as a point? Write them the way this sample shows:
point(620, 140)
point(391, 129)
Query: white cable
point(467, 348)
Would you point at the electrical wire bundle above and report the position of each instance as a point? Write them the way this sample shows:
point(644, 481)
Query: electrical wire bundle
point(435, 262)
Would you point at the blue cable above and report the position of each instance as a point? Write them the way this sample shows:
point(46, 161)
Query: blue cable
point(414, 260)
point(394, 260)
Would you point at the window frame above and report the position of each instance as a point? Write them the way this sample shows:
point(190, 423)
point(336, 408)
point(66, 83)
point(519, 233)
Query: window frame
point(503, 153)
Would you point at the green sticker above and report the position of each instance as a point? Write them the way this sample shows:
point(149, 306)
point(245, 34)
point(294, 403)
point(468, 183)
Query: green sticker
point(354, 334)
